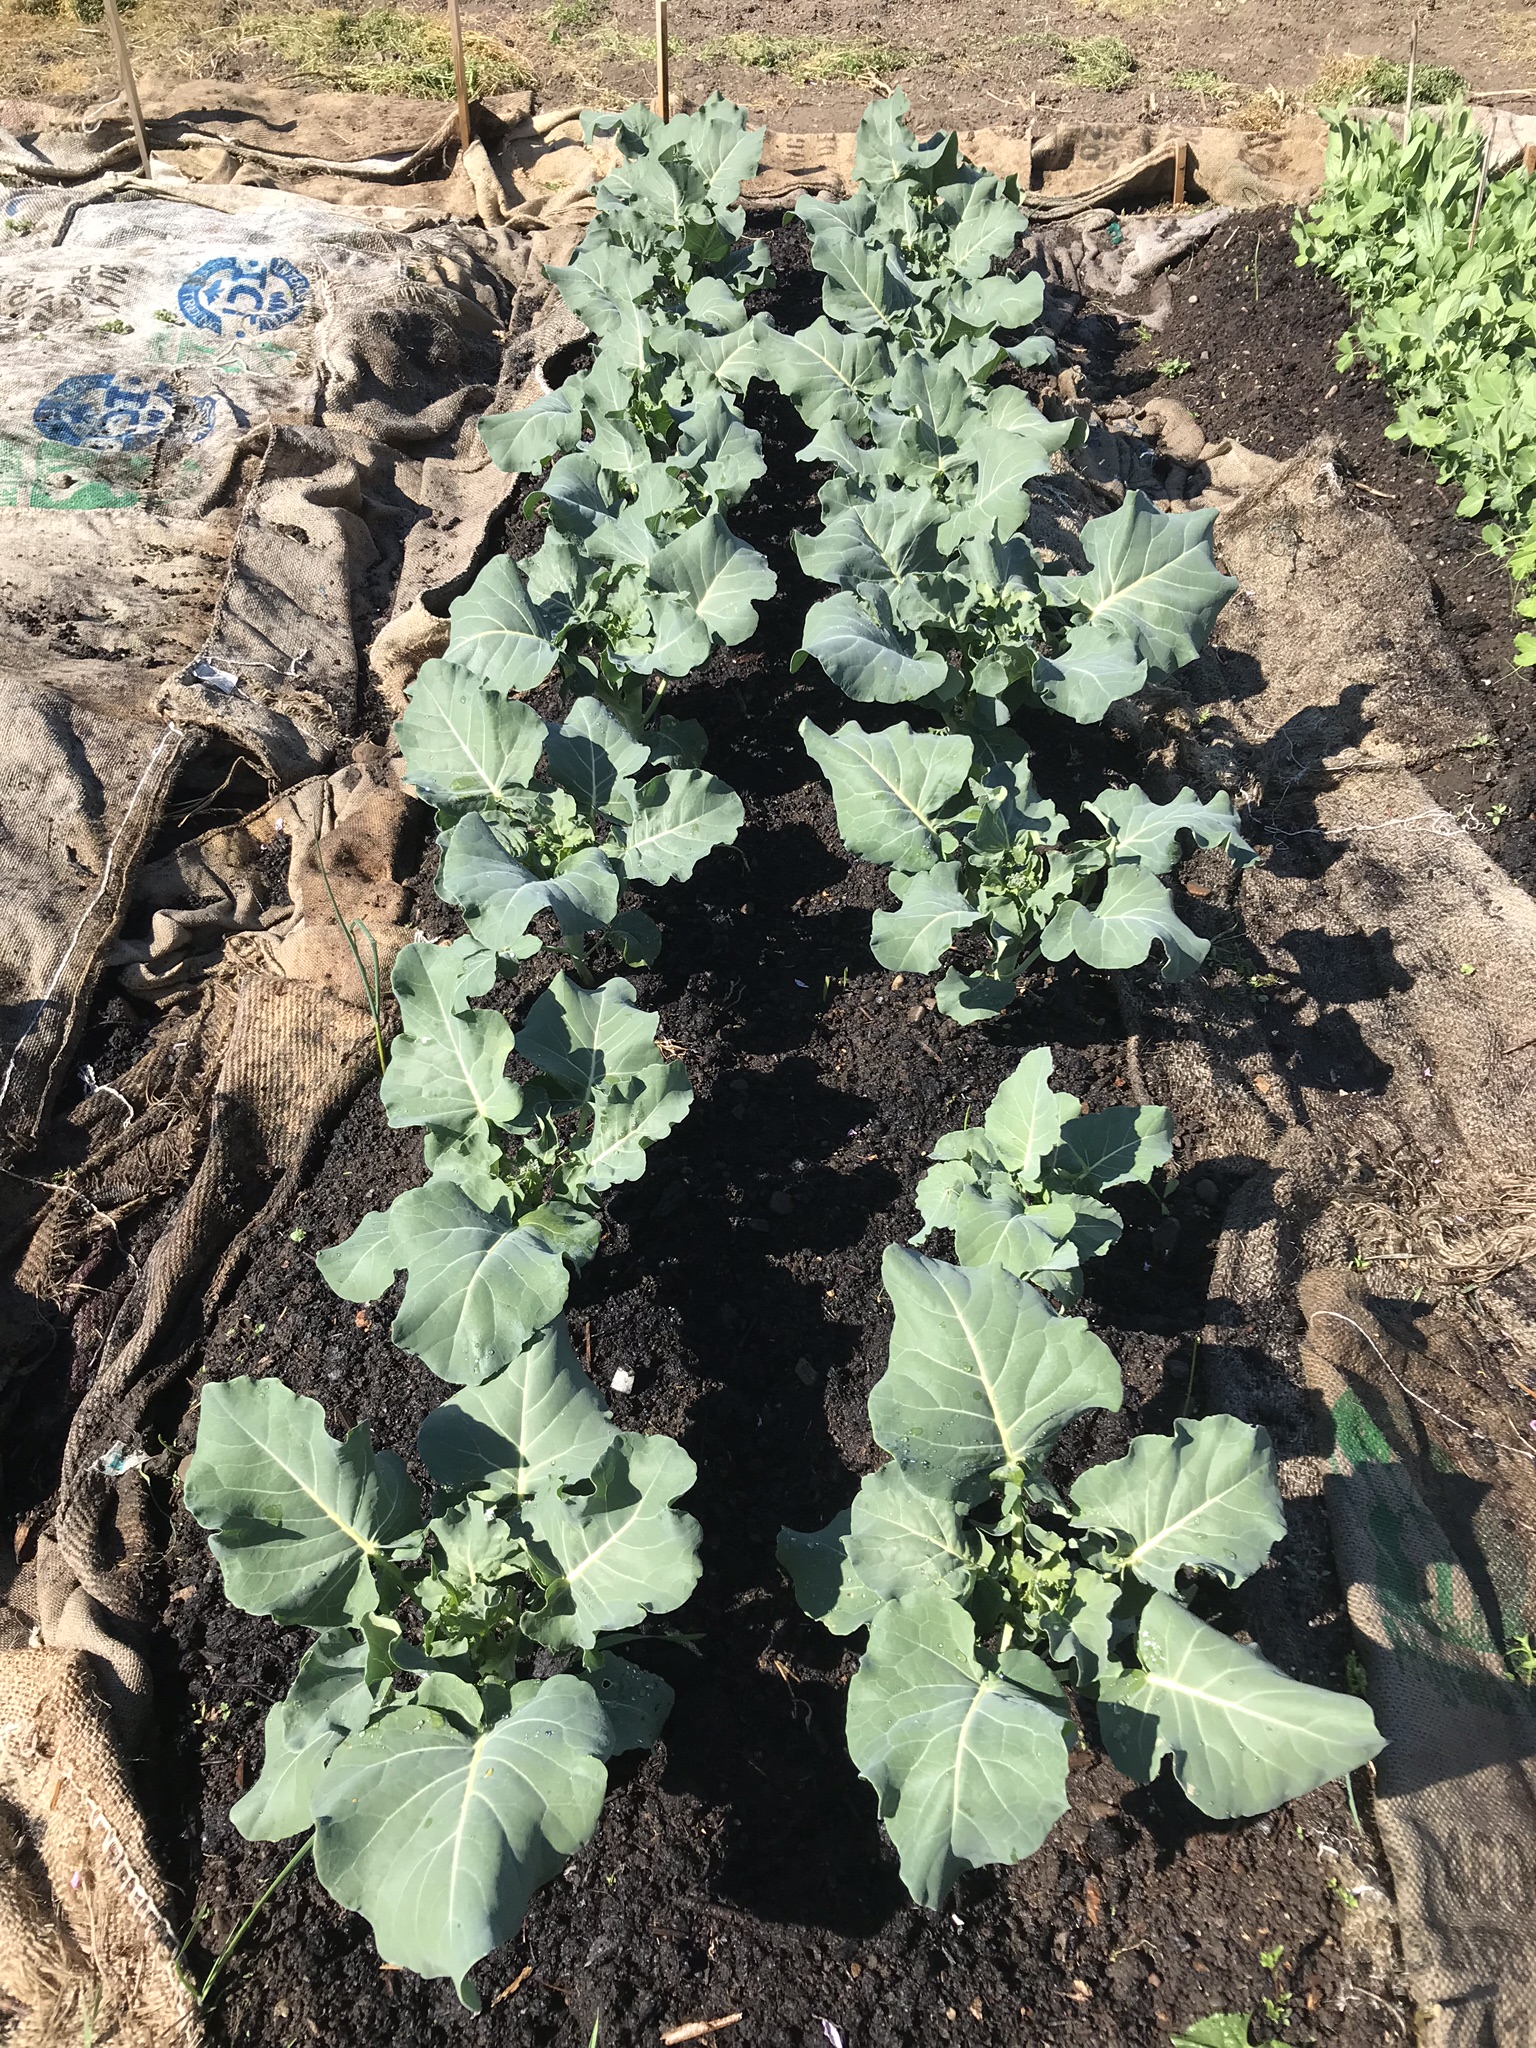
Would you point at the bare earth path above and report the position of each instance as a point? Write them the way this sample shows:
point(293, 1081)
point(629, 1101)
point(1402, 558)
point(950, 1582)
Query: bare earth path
point(804, 64)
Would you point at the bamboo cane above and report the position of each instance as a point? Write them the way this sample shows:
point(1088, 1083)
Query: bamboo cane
point(130, 88)
point(663, 68)
point(460, 79)
point(1413, 65)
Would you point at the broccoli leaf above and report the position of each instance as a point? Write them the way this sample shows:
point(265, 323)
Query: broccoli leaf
point(1206, 1496)
point(297, 1521)
point(440, 1839)
point(982, 1374)
point(1243, 1737)
point(970, 1766)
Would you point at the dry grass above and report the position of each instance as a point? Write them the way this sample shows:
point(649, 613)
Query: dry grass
point(1382, 82)
point(383, 50)
point(1442, 1238)
point(59, 48)
point(809, 60)
point(1125, 10)
point(1265, 113)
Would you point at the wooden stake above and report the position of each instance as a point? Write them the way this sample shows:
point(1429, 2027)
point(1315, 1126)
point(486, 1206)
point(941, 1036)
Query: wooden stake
point(1413, 65)
point(130, 88)
point(663, 67)
point(1528, 159)
point(1482, 181)
point(1180, 150)
point(460, 77)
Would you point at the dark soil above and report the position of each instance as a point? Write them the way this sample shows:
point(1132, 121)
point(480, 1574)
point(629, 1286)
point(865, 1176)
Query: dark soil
point(1260, 335)
point(740, 1868)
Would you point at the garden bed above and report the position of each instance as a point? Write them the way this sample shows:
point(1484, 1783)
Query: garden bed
point(1259, 337)
point(740, 1868)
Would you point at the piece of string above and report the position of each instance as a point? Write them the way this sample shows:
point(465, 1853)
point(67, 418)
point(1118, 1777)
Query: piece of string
point(1517, 1450)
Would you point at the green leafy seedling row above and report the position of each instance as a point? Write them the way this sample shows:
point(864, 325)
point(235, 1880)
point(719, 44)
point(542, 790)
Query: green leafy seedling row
point(943, 601)
point(444, 1782)
point(1446, 318)
point(991, 1596)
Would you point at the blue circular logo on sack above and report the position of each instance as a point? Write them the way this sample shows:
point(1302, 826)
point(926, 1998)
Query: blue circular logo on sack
point(119, 414)
point(239, 295)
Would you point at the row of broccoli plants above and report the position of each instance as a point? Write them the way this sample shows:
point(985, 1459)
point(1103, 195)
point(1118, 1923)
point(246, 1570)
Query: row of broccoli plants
point(987, 1591)
point(443, 1781)
point(943, 601)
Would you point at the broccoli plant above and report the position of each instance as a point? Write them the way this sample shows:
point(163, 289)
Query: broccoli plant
point(661, 279)
point(942, 599)
point(516, 1169)
point(1023, 1187)
point(910, 252)
point(513, 846)
point(443, 1780)
point(987, 1591)
point(974, 848)
point(957, 610)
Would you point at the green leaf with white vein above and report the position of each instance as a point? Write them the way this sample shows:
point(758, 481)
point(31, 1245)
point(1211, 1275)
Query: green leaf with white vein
point(477, 1285)
point(1148, 833)
point(636, 1702)
point(535, 1424)
point(448, 1066)
point(520, 441)
point(867, 540)
point(721, 577)
point(1206, 1496)
point(1113, 1146)
point(862, 283)
point(830, 375)
point(440, 1839)
point(970, 1767)
point(328, 1700)
point(1096, 668)
point(914, 938)
point(982, 1374)
point(297, 1521)
point(1243, 1737)
point(619, 1548)
point(1153, 578)
point(890, 787)
point(1134, 913)
point(606, 288)
point(826, 1585)
point(462, 743)
point(500, 897)
point(900, 1540)
point(1026, 1117)
point(590, 751)
point(585, 1038)
point(499, 634)
point(677, 818)
point(864, 651)
point(631, 1117)
point(1001, 1230)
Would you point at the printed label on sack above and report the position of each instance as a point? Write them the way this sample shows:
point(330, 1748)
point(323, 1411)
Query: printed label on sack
point(238, 296)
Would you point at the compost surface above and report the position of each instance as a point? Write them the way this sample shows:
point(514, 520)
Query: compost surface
point(1259, 335)
point(740, 1868)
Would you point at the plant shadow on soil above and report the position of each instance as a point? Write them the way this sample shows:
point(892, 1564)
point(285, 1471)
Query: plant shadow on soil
point(740, 1867)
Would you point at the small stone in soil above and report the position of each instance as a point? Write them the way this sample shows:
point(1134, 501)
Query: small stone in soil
point(1206, 1191)
point(805, 1371)
point(781, 1202)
